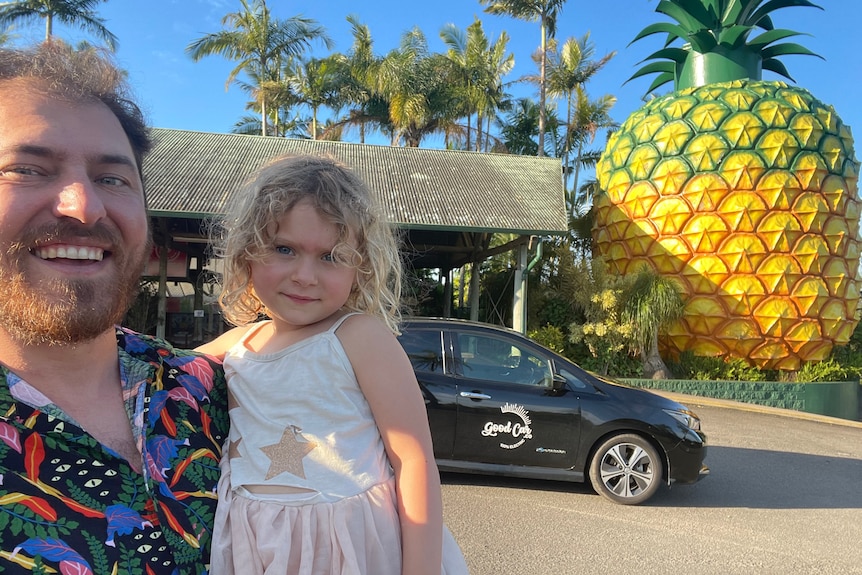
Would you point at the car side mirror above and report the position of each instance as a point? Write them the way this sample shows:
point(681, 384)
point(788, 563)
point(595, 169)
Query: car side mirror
point(558, 382)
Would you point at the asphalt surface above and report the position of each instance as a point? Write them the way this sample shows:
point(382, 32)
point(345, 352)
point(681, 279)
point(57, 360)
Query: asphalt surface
point(692, 400)
point(784, 496)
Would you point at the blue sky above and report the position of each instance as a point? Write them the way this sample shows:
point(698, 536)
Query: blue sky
point(178, 93)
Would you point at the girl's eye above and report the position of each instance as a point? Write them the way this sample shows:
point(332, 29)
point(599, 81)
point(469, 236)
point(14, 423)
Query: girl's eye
point(283, 250)
point(329, 258)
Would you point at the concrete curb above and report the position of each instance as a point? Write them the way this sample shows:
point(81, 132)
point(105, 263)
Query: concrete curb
point(695, 400)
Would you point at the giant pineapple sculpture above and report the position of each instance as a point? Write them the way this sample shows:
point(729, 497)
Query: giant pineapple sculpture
point(743, 190)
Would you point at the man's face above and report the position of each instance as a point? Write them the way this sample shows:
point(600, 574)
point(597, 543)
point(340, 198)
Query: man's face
point(73, 226)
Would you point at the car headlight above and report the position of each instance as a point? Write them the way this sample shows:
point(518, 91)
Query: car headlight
point(685, 417)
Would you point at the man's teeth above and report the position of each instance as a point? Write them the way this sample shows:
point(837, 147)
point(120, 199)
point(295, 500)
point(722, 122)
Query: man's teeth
point(70, 253)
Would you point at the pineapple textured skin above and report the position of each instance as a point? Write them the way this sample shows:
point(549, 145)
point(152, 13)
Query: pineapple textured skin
point(746, 193)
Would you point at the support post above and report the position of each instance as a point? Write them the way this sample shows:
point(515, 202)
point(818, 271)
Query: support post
point(519, 297)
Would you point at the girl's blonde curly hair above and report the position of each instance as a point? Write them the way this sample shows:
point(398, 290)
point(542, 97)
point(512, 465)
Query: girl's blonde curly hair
point(248, 230)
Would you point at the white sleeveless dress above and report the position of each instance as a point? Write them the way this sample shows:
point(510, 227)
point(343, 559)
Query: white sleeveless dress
point(306, 486)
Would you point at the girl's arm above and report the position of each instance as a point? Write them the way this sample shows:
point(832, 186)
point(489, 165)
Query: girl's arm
point(389, 385)
point(219, 346)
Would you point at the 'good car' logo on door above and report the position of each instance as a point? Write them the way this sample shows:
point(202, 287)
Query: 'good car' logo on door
point(519, 430)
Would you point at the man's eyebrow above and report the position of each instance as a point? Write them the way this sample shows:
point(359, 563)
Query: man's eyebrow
point(31, 150)
point(46, 152)
point(117, 159)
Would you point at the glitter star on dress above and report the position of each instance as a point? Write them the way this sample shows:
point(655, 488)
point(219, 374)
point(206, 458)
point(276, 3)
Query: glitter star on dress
point(287, 454)
point(233, 449)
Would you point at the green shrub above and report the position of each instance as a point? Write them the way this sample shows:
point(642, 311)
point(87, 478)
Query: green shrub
point(849, 357)
point(740, 370)
point(690, 366)
point(551, 337)
point(828, 370)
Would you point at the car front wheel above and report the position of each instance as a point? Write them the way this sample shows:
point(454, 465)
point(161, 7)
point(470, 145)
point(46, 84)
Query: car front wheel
point(626, 469)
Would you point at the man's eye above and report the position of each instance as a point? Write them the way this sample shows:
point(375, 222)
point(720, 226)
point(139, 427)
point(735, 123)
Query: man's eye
point(19, 170)
point(112, 181)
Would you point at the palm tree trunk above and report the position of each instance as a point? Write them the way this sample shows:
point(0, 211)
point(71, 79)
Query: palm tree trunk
point(462, 287)
point(542, 90)
point(653, 365)
point(262, 115)
point(567, 151)
point(49, 26)
point(577, 167)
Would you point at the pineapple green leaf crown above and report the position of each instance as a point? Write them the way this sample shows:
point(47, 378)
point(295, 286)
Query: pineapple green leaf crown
point(717, 45)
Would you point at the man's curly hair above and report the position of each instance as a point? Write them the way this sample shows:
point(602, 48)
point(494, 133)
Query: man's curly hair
point(77, 76)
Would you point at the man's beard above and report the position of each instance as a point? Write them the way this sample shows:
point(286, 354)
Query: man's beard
point(65, 311)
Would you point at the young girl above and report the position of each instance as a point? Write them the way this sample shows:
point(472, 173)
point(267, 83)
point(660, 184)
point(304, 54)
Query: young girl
point(329, 467)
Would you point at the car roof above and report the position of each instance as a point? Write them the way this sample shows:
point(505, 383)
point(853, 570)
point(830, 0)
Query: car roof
point(455, 322)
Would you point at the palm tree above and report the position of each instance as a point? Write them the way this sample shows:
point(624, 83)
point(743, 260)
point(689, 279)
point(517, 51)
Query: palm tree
point(568, 72)
point(519, 129)
point(418, 88)
point(589, 117)
point(495, 99)
point(257, 41)
point(314, 82)
point(546, 12)
point(357, 82)
point(6, 35)
point(79, 13)
point(249, 125)
point(479, 66)
point(269, 86)
point(650, 304)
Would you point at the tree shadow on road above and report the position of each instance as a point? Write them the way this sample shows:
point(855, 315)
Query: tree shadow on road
point(765, 479)
point(747, 478)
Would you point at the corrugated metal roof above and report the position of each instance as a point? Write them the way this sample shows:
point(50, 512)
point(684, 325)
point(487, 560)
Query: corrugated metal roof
point(193, 174)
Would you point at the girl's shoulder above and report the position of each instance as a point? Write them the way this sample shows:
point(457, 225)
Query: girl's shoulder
point(359, 323)
point(363, 331)
point(219, 346)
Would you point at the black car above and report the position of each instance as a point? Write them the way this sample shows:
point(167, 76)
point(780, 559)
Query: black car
point(499, 403)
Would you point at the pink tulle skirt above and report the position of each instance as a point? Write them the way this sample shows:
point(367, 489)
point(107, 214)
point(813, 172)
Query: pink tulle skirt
point(359, 535)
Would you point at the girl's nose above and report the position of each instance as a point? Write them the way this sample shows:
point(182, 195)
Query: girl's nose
point(80, 200)
point(304, 271)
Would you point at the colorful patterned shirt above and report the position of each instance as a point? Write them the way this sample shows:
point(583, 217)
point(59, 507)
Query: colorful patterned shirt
point(70, 505)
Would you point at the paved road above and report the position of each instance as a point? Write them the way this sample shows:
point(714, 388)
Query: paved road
point(784, 497)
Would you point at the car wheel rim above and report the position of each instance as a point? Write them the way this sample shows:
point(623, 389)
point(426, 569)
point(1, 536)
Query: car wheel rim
point(627, 470)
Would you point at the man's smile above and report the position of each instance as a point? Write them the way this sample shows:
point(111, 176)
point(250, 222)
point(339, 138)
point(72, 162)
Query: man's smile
point(70, 252)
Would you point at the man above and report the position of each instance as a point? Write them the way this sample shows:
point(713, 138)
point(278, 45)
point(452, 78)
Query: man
point(109, 441)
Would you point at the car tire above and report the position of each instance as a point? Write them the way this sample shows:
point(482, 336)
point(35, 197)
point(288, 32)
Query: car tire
point(626, 469)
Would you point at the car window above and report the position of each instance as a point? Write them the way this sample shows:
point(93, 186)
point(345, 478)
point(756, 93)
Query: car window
point(573, 380)
point(424, 348)
point(498, 359)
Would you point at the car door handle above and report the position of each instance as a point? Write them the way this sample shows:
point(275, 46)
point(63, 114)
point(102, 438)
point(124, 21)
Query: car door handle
point(474, 395)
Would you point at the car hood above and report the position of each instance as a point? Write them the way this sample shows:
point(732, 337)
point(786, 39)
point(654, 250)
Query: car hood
point(634, 394)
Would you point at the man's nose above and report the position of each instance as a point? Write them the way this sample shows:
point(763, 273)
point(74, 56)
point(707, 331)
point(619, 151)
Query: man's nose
point(79, 199)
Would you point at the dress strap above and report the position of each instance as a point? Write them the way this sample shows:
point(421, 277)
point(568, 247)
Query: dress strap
point(341, 320)
point(249, 333)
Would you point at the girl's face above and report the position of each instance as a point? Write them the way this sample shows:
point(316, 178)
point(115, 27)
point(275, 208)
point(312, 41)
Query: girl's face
point(298, 281)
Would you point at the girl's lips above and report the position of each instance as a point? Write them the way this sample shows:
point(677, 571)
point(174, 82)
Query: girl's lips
point(299, 298)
